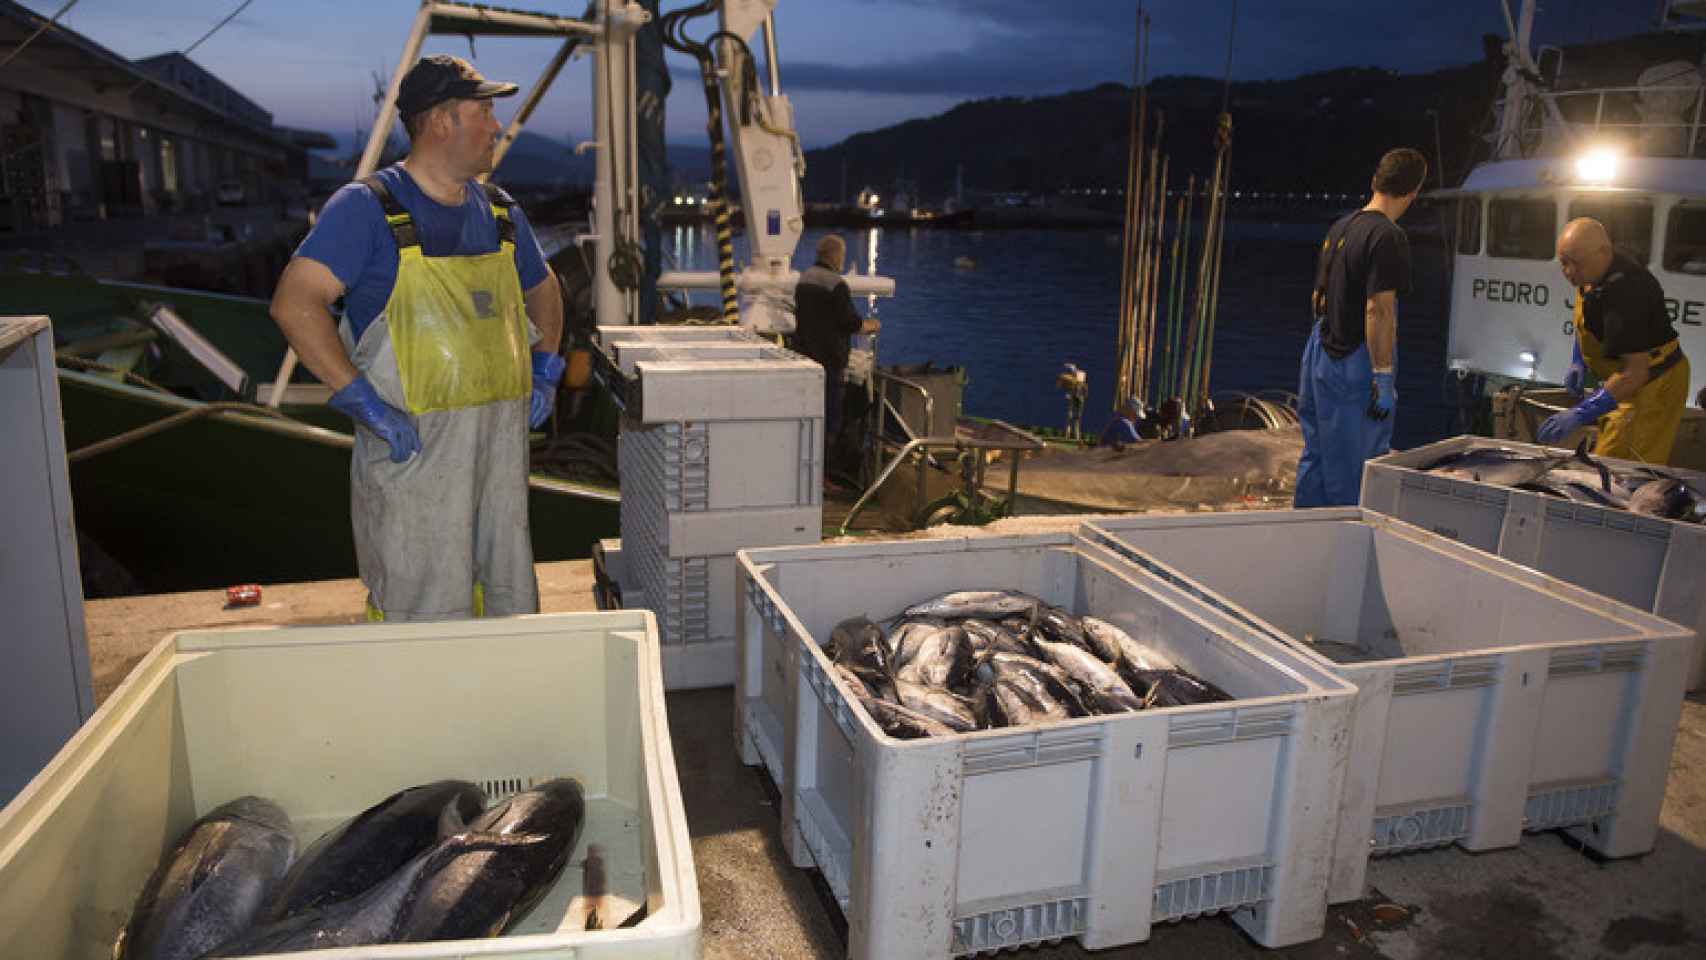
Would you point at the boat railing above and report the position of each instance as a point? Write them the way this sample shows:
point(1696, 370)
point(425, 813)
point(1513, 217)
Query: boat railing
point(1570, 119)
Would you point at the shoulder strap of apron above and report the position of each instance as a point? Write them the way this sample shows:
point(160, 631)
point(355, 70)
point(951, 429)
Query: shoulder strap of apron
point(501, 203)
point(402, 225)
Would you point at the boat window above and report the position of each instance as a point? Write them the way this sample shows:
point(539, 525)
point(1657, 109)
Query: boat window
point(1469, 225)
point(1685, 239)
point(1629, 221)
point(1522, 229)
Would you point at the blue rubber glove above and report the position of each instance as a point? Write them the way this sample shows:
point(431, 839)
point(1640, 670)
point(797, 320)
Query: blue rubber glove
point(360, 402)
point(1383, 396)
point(1575, 377)
point(1560, 425)
point(547, 373)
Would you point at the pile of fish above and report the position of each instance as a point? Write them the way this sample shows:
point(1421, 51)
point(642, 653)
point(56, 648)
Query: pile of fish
point(1580, 478)
point(427, 863)
point(979, 659)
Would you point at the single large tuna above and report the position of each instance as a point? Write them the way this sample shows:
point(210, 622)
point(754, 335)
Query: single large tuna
point(212, 885)
point(374, 844)
point(987, 604)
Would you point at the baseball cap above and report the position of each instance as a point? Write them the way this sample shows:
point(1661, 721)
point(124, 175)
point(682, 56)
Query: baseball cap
point(440, 77)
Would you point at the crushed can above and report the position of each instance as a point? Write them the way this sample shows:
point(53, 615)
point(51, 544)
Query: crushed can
point(245, 595)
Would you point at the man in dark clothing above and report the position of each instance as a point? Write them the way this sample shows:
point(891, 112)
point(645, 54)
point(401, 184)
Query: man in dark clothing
point(823, 320)
point(1346, 390)
point(1624, 335)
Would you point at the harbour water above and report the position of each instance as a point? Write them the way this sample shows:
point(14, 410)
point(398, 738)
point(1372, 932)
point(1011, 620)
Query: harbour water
point(1032, 300)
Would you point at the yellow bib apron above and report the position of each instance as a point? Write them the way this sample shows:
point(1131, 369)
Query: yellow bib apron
point(1644, 428)
point(445, 534)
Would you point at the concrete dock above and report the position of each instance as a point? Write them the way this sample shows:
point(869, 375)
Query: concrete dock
point(1543, 900)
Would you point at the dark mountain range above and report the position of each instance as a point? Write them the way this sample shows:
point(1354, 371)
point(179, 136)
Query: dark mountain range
point(534, 161)
point(1320, 132)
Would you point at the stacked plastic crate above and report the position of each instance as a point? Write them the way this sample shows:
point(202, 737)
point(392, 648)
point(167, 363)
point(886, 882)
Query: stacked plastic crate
point(720, 449)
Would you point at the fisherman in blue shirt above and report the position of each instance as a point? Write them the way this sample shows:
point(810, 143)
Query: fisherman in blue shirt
point(445, 355)
point(1123, 428)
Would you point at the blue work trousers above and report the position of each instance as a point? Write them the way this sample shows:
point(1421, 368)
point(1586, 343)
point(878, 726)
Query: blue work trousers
point(1333, 397)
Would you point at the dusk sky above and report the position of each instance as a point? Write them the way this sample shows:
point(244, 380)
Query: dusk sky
point(848, 65)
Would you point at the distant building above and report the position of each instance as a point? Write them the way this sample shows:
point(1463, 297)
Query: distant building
point(87, 135)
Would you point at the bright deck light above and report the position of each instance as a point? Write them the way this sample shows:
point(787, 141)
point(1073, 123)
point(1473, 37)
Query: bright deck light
point(1598, 165)
point(1525, 357)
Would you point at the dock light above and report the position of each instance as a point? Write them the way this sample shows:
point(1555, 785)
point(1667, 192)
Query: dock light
point(678, 201)
point(1525, 357)
point(1598, 165)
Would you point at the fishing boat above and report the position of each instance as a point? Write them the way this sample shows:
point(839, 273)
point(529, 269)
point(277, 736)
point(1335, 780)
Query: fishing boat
point(1631, 155)
point(171, 457)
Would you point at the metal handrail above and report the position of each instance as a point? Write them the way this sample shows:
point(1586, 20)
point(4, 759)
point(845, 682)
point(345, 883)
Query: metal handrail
point(1573, 127)
point(929, 401)
point(1026, 442)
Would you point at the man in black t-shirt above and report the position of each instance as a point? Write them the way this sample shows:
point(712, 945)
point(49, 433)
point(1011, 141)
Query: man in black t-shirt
point(1346, 390)
point(1624, 336)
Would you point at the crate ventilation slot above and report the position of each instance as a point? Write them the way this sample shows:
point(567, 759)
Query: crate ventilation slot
point(1416, 828)
point(1018, 926)
point(1183, 897)
point(1036, 749)
point(1564, 663)
point(1449, 675)
point(1565, 806)
point(1201, 729)
point(507, 787)
point(1453, 489)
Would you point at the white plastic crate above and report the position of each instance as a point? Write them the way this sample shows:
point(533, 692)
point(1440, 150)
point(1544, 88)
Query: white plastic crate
point(676, 333)
point(699, 465)
point(1491, 699)
point(627, 353)
point(328, 720)
point(693, 599)
point(778, 385)
point(1094, 828)
point(1657, 565)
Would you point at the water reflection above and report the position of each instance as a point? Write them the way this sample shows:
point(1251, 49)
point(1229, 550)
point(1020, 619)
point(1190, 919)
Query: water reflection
point(1034, 299)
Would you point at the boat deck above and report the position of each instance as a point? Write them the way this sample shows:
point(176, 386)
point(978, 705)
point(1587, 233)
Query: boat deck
point(1541, 900)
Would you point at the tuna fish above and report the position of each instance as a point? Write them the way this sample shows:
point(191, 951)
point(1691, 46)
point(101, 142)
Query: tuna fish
point(1179, 688)
point(908, 635)
point(1496, 465)
point(482, 895)
point(1669, 498)
point(903, 723)
point(1044, 681)
point(1129, 653)
point(856, 684)
point(986, 636)
point(1062, 627)
point(473, 884)
point(939, 658)
point(217, 879)
point(375, 844)
point(1011, 703)
point(987, 604)
point(946, 708)
point(1098, 684)
point(857, 643)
